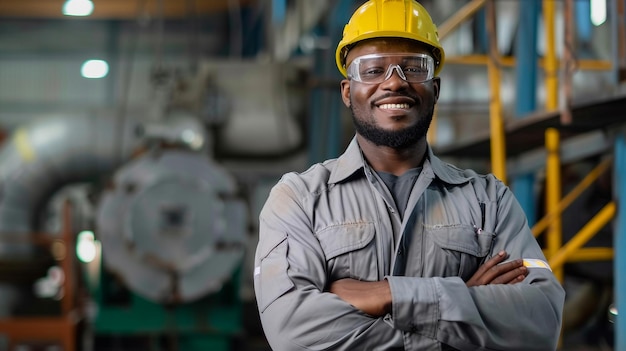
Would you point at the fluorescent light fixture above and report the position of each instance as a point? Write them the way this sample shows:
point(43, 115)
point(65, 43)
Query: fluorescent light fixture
point(77, 7)
point(94, 69)
point(598, 12)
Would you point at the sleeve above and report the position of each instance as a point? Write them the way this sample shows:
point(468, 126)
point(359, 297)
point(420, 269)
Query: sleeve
point(524, 316)
point(290, 280)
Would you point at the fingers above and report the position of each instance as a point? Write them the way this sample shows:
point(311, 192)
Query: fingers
point(492, 262)
point(495, 272)
point(485, 273)
point(511, 276)
point(517, 279)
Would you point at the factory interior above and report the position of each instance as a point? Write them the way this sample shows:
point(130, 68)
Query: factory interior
point(139, 140)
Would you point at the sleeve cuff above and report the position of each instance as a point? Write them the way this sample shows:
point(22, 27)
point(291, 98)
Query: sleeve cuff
point(415, 304)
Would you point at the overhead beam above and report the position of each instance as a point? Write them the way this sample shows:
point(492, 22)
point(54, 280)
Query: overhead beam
point(117, 9)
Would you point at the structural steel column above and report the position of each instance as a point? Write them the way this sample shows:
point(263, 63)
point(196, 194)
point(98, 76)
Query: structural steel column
point(552, 136)
point(619, 261)
point(498, 145)
point(325, 132)
point(526, 87)
point(619, 181)
point(618, 28)
point(551, 61)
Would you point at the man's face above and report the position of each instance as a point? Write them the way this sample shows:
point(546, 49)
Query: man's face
point(394, 113)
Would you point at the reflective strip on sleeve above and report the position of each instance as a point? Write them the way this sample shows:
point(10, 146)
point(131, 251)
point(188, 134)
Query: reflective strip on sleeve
point(535, 263)
point(257, 270)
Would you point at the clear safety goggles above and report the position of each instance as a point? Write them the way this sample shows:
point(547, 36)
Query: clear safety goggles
point(377, 68)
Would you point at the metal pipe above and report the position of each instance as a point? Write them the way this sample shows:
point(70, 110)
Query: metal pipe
point(498, 146)
point(582, 237)
point(570, 62)
point(620, 241)
point(42, 157)
point(618, 29)
point(49, 153)
point(526, 87)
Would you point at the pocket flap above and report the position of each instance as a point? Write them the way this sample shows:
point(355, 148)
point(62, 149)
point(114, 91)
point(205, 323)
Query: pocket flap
point(271, 279)
point(462, 238)
point(339, 239)
point(268, 244)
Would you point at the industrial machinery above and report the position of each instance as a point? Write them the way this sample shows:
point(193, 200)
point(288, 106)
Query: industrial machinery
point(172, 231)
point(163, 227)
point(161, 222)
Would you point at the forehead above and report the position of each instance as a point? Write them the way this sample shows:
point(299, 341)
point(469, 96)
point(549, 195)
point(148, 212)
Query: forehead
point(385, 46)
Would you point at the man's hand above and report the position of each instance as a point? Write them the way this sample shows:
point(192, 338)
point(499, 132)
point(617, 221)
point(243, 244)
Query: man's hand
point(491, 272)
point(373, 298)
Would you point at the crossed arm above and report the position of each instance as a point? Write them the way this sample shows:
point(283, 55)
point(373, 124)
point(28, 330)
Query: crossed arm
point(300, 311)
point(374, 298)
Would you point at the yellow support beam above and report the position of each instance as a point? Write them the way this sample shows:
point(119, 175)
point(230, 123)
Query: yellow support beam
point(552, 136)
point(509, 61)
point(544, 222)
point(591, 254)
point(496, 123)
point(553, 195)
point(601, 219)
point(465, 12)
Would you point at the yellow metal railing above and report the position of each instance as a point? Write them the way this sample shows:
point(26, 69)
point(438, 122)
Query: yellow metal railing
point(573, 251)
point(509, 61)
point(590, 229)
point(567, 200)
point(496, 122)
point(555, 251)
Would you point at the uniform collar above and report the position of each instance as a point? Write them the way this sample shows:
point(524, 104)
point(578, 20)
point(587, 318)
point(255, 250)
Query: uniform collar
point(352, 161)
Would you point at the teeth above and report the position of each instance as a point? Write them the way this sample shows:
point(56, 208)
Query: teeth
point(393, 106)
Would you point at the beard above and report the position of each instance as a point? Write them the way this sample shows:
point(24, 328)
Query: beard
point(396, 139)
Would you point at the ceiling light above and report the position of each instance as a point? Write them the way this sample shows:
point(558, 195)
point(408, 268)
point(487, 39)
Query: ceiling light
point(78, 8)
point(94, 69)
point(86, 246)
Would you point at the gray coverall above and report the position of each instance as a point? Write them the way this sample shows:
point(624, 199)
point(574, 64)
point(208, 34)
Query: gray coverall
point(337, 220)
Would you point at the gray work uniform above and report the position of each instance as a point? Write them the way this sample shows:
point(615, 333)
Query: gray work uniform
point(337, 220)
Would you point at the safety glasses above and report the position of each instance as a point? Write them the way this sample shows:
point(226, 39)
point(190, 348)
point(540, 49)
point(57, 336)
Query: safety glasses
point(377, 68)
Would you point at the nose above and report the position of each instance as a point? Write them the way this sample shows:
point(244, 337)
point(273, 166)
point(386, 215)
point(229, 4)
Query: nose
point(394, 81)
point(398, 70)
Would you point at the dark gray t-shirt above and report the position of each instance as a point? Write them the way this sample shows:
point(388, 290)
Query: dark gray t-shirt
point(400, 186)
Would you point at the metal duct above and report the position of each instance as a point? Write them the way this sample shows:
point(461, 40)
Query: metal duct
point(43, 156)
point(49, 153)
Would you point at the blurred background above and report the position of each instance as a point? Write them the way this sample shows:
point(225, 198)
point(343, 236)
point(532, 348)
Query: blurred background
point(140, 138)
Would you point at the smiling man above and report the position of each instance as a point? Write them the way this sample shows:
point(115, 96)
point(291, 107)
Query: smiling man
point(387, 247)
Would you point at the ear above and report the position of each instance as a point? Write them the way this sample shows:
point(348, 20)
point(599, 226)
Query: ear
point(345, 92)
point(436, 87)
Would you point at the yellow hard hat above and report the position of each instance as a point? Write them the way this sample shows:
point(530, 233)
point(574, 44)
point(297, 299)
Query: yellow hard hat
point(390, 18)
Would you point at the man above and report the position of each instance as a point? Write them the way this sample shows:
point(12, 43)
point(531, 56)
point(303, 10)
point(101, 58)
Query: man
point(387, 247)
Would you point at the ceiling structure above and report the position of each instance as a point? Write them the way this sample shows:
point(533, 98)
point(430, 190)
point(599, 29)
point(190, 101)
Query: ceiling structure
point(119, 9)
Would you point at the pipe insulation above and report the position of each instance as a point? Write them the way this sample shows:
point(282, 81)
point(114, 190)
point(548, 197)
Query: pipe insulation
point(44, 155)
point(41, 157)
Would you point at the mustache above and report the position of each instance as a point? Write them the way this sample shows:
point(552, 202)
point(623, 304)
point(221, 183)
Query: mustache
point(392, 95)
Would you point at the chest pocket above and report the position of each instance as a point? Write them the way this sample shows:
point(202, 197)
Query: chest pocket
point(350, 251)
point(455, 250)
